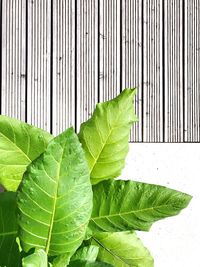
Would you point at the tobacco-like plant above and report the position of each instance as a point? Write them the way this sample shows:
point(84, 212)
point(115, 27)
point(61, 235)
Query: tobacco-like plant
point(62, 205)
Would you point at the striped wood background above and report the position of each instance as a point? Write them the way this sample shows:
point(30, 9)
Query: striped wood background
point(59, 58)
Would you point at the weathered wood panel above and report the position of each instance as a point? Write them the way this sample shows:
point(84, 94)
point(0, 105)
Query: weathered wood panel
point(131, 57)
point(152, 71)
point(192, 71)
point(39, 63)
point(86, 59)
point(13, 58)
point(109, 49)
point(173, 77)
point(63, 65)
point(59, 58)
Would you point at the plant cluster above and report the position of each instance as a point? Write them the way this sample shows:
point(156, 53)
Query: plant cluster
point(62, 205)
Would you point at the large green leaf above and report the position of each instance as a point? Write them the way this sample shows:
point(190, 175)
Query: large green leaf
point(105, 136)
point(122, 249)
point(55, 198)
point(37, 259)
point(127, 205)
point(20, 143)
point(9, 251)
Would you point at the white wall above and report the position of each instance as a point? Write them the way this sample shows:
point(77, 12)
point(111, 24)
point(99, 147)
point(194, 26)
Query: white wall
point(175, 241)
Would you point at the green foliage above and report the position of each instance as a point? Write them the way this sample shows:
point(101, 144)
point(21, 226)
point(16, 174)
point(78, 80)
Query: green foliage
point(105, 136)
point(55, 199)
point(86, 256)
point(80, 263)
point(122, 249)
point(127, 205)
point(37, 259)
point(20, 144)
point(86, 253)
point(61, 260)
point(9, 251)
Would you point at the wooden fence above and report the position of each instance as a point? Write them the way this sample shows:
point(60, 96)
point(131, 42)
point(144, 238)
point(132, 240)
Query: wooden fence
point(59, 58)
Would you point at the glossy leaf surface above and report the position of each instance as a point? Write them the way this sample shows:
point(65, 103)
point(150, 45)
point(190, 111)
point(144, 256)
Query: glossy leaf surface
point(105, 136)
point(20, 143)
point(127, 205)
point(55, 198)
point(9, 251)
point(122, 249)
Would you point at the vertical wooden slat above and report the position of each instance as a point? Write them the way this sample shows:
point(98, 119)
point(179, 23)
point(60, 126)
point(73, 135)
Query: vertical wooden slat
point(22, 62)
point(173, 71)
point(109, 57)
point(87, 59)
point(39, 78)
point(132, 57)
point(152, 69)
point(63, 65)
point(192, 71)
point(13, 62)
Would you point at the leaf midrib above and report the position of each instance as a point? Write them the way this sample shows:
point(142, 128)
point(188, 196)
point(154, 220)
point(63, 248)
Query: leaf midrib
point(18, 148)
point(54, 205)
point(103, 144)
point(110, 251)
point(128, 212)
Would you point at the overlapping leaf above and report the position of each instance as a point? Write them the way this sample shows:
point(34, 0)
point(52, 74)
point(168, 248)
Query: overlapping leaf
point(9, 251)
point(105, 136)
point(20, 143)
point(55, 198)
point(86, 253)
point(86, 257)
point(127, 205)
point(123, 249)
point(61, 260)
point(37, 259)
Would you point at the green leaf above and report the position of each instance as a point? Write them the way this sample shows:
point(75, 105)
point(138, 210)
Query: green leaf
point(62, 260)
point(55, 198)
point(127, 205)
point(9, 251)
point(37, 259)
point(87, 253)
point(20, 143)
point(105, 136)
point(123, 249)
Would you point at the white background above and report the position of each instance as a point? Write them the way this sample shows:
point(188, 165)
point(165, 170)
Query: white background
point(175, 241)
